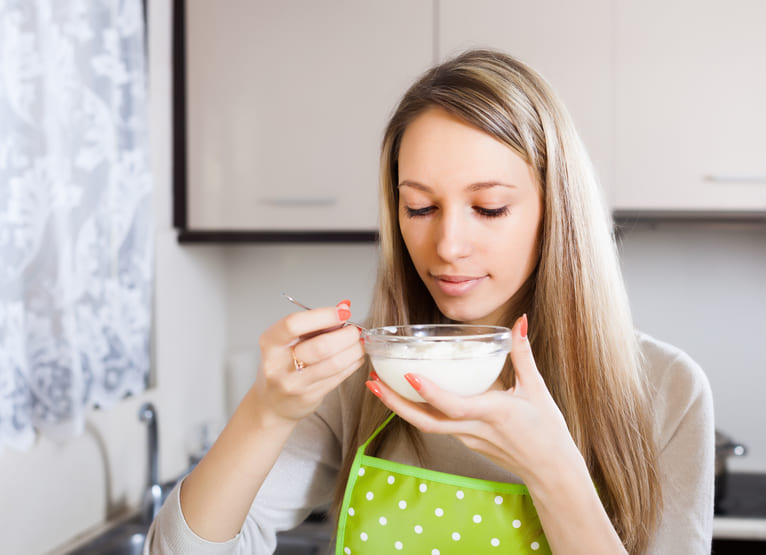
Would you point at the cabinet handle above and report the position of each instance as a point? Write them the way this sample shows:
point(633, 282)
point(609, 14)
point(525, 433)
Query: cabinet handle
point(731, 178)
point(299, 201)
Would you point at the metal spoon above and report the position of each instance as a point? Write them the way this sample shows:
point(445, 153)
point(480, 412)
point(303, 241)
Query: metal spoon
point(304, 307)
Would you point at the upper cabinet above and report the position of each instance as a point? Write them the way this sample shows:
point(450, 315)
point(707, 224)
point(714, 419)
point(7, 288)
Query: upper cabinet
point(569, 43)
point(690, 102)
point(286, 104)
point(283, 104)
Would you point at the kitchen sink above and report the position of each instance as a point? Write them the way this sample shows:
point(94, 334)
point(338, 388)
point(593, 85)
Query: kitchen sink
point(125, 538)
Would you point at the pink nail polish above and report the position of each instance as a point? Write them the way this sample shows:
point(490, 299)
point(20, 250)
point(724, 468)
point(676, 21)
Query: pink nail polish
point(374, 376)
point(414, 381)
point(344, 314)
point(523, 327)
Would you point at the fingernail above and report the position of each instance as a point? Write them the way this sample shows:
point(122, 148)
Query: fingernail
point(343, 313)
point(374, 376)
point(523, 327)
point(344, 302)
point(414, 381)
point(375, 388)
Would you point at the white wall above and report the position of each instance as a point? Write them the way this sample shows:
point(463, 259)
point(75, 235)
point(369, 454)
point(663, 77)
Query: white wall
point(53, 492)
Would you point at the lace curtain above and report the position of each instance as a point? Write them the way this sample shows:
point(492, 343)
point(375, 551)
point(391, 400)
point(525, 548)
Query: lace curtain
point(76, 231)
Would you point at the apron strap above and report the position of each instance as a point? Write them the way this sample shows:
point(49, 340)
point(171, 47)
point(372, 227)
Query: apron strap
point(363, 446)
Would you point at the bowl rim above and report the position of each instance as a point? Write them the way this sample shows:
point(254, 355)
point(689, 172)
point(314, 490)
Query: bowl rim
point(386, 334)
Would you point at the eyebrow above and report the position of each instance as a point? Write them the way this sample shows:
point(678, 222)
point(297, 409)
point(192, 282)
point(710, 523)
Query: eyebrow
point(472, 187)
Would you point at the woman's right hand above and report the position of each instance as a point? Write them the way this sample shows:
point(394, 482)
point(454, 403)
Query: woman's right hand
point(288, 393)
point(216, 497)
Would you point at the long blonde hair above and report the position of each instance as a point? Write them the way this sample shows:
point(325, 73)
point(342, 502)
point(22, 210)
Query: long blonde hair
point(580, 326)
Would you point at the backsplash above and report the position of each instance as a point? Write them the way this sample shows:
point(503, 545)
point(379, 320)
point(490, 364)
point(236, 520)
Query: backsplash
point(702, 287)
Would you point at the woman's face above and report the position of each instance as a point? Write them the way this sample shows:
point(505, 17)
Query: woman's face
point(469, 212)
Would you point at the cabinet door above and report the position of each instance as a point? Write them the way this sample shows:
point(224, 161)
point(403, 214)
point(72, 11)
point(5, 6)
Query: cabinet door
point(690, 105)
point(567, 42)
point(287, 102)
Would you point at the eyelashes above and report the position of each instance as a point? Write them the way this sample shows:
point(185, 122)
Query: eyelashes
point(481, 211)
point(491, 212)
point(419, 212)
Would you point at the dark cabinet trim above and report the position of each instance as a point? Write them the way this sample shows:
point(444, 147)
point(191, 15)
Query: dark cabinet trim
point(193, 236)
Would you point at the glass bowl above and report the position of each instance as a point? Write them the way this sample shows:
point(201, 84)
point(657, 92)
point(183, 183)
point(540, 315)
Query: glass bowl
point(461, 358)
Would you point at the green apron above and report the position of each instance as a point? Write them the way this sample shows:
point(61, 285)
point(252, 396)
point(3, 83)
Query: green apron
point(390, 507)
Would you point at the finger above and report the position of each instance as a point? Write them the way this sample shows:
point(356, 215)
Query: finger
point(333, 363)
point(521, 355)
point(298, 324)
point(454, 406)
point(423, 416)
point(327, 345)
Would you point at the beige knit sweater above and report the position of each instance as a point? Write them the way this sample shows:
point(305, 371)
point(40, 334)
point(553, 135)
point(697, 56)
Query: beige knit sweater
point(305, 475)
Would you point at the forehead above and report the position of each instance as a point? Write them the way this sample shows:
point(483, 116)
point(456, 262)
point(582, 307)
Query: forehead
point(437, 147)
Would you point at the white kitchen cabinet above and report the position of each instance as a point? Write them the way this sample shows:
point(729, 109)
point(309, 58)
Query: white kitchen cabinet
point(569, 43)
point(286, 107)
point(690, 102)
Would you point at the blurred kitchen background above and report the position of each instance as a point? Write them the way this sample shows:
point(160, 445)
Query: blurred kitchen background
point(275, 191)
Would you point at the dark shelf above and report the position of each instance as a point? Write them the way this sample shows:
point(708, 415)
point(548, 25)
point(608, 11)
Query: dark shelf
point(219, 237)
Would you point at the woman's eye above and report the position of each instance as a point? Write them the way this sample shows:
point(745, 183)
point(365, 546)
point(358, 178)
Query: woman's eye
point(491, 212)
point(415, 212)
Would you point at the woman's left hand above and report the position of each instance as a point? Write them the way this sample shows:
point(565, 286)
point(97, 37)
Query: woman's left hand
point(520, 429)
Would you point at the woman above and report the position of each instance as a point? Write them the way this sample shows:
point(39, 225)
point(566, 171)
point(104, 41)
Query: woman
point(490, 213)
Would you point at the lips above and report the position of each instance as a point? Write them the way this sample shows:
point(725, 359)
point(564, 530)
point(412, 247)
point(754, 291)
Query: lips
point(457, 285)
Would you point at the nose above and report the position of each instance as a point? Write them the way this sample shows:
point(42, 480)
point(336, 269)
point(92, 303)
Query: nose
point(453, 237)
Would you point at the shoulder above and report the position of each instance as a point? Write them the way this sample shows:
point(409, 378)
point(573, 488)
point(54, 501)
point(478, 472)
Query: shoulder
point(677, 386)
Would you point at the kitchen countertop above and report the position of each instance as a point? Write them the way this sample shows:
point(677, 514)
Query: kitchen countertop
point(741, 514)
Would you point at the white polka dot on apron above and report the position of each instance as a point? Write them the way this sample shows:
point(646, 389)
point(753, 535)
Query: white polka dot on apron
point(361, 471)
point(439, 512)
point(402, 504)
point(398, 545)
point(390, 480)
point(535, 546)
point(363, 536)
point(459, 494)
point(456, 536)
point(382, 521)
point(423, 488)
point(351, 511)
point(477, 519)
point(369, 495)
point(435, 552)
point(347, 551)
point(495, 542)
point(516, 523)
point(498, 500)
point(418, 529)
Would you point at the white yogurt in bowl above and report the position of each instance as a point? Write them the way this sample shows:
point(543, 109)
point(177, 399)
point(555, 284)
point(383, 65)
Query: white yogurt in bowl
point(463, 359)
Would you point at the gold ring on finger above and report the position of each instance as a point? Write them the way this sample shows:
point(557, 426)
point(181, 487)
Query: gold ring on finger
point(299, 364)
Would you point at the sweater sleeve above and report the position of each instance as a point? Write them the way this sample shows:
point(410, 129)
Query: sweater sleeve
point(683, 405)
point(302, 479)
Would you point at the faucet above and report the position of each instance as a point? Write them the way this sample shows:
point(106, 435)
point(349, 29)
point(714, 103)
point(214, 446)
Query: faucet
point(152, 497)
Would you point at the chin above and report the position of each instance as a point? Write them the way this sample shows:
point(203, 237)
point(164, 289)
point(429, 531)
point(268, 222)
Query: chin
point(462, 315)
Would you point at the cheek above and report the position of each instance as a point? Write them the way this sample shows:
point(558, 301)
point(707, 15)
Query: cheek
point(413, 238)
